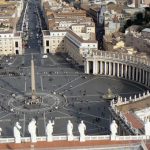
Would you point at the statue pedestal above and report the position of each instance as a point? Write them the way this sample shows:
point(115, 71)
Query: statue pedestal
point(113, 137)
point(82, 138)
point(17, 140)
point(49, 138)
point(33, 140)
point(70, 137)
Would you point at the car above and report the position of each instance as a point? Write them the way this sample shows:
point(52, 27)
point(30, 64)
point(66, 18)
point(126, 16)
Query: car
point(44, 56)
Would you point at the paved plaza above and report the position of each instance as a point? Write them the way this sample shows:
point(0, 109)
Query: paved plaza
point(83, 94)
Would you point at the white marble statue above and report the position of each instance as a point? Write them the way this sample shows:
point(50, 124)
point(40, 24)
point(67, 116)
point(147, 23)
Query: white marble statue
point(1, 131)
point(49, 131)
point(147, 127)
point(82, 128)
point(32, 130)
point(69, 130)
point(17, 135)
point(113, 129)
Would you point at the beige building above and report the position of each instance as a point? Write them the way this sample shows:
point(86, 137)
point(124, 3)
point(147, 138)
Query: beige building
point(10, 39)
point(68, 42)
point(11, 43)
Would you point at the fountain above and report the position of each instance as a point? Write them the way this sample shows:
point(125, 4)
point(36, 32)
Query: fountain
point(109, 95)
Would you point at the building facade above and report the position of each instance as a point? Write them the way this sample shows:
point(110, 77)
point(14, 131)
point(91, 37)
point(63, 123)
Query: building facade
point(11, 43)
point(66, 41)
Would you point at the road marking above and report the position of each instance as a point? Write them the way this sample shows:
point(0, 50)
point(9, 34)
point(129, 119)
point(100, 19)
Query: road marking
point(67, 83)
point(6, 90)
point(41, 79)
point(5, 115)
point(25, 84)
point(81, 84)
point(87, 114)
point(52, 60)
point(14, 60)
point(94, 95)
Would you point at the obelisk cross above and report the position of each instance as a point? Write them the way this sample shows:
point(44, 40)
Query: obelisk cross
point(33, 80)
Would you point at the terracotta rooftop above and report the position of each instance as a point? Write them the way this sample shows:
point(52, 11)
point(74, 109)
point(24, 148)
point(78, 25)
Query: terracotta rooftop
point(136, 123)
point(65, 145)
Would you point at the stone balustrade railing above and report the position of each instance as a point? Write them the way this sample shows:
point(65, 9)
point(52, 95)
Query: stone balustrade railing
point(123, 101)
point(76, 138)
point(121, 56)
point(121, 116)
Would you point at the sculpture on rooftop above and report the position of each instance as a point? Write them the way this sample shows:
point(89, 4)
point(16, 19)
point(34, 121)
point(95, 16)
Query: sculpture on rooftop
point(82, 128)
point(17, 134)
point(49, 130)
point(113, 129)
point(1, 131)
point(32, 130)
point(69, 130)
point(147, 127)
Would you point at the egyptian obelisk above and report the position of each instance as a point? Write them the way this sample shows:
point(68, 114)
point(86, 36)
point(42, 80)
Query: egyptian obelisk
point(33, 81)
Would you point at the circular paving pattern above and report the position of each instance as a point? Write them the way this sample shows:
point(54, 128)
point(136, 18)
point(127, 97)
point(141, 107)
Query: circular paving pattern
point(78, 96)
point(47, 102)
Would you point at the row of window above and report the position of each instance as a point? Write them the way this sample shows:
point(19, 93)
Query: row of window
point(16, 43)
point(47, 42)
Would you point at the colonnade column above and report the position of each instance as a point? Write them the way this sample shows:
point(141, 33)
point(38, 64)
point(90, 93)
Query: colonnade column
point(143, 76)
point(118, 69)
point(133, 73)
point(148, 78)
point(121, 70)
point(137, 74)
point(105, 71)
point(146, 81)
point(110, 68)
point(140, 75)
point(86, 66)
point(129, 73)
point(126, 70)
point(94, 67)
point(114, 69)
point(101, 67)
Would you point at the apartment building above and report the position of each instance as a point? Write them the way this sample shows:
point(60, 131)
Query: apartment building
point(11, 43)
point(10, 39)
point(66, 41)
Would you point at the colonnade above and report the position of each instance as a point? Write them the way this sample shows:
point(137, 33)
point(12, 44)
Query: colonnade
point(128, 70)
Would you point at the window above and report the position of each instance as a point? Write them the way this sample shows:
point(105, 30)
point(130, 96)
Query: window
point(47, 43)
point(16, 44)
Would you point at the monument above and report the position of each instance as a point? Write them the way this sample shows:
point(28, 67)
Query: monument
point(147, 127)
point(34, 100)
point(49, 131)
point(16, 131)
point(113, 129)
point(69, 130)
point(32, 130)
point(1, 131)
point(82, 128)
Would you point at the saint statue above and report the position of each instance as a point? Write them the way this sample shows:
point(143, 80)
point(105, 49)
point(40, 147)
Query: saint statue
point(1, 131)
point(147, 127)
point(69, 130)
point(17, 135)
point(82, 128)
point(49, 130)
point(113, 129)
point(32, 130)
